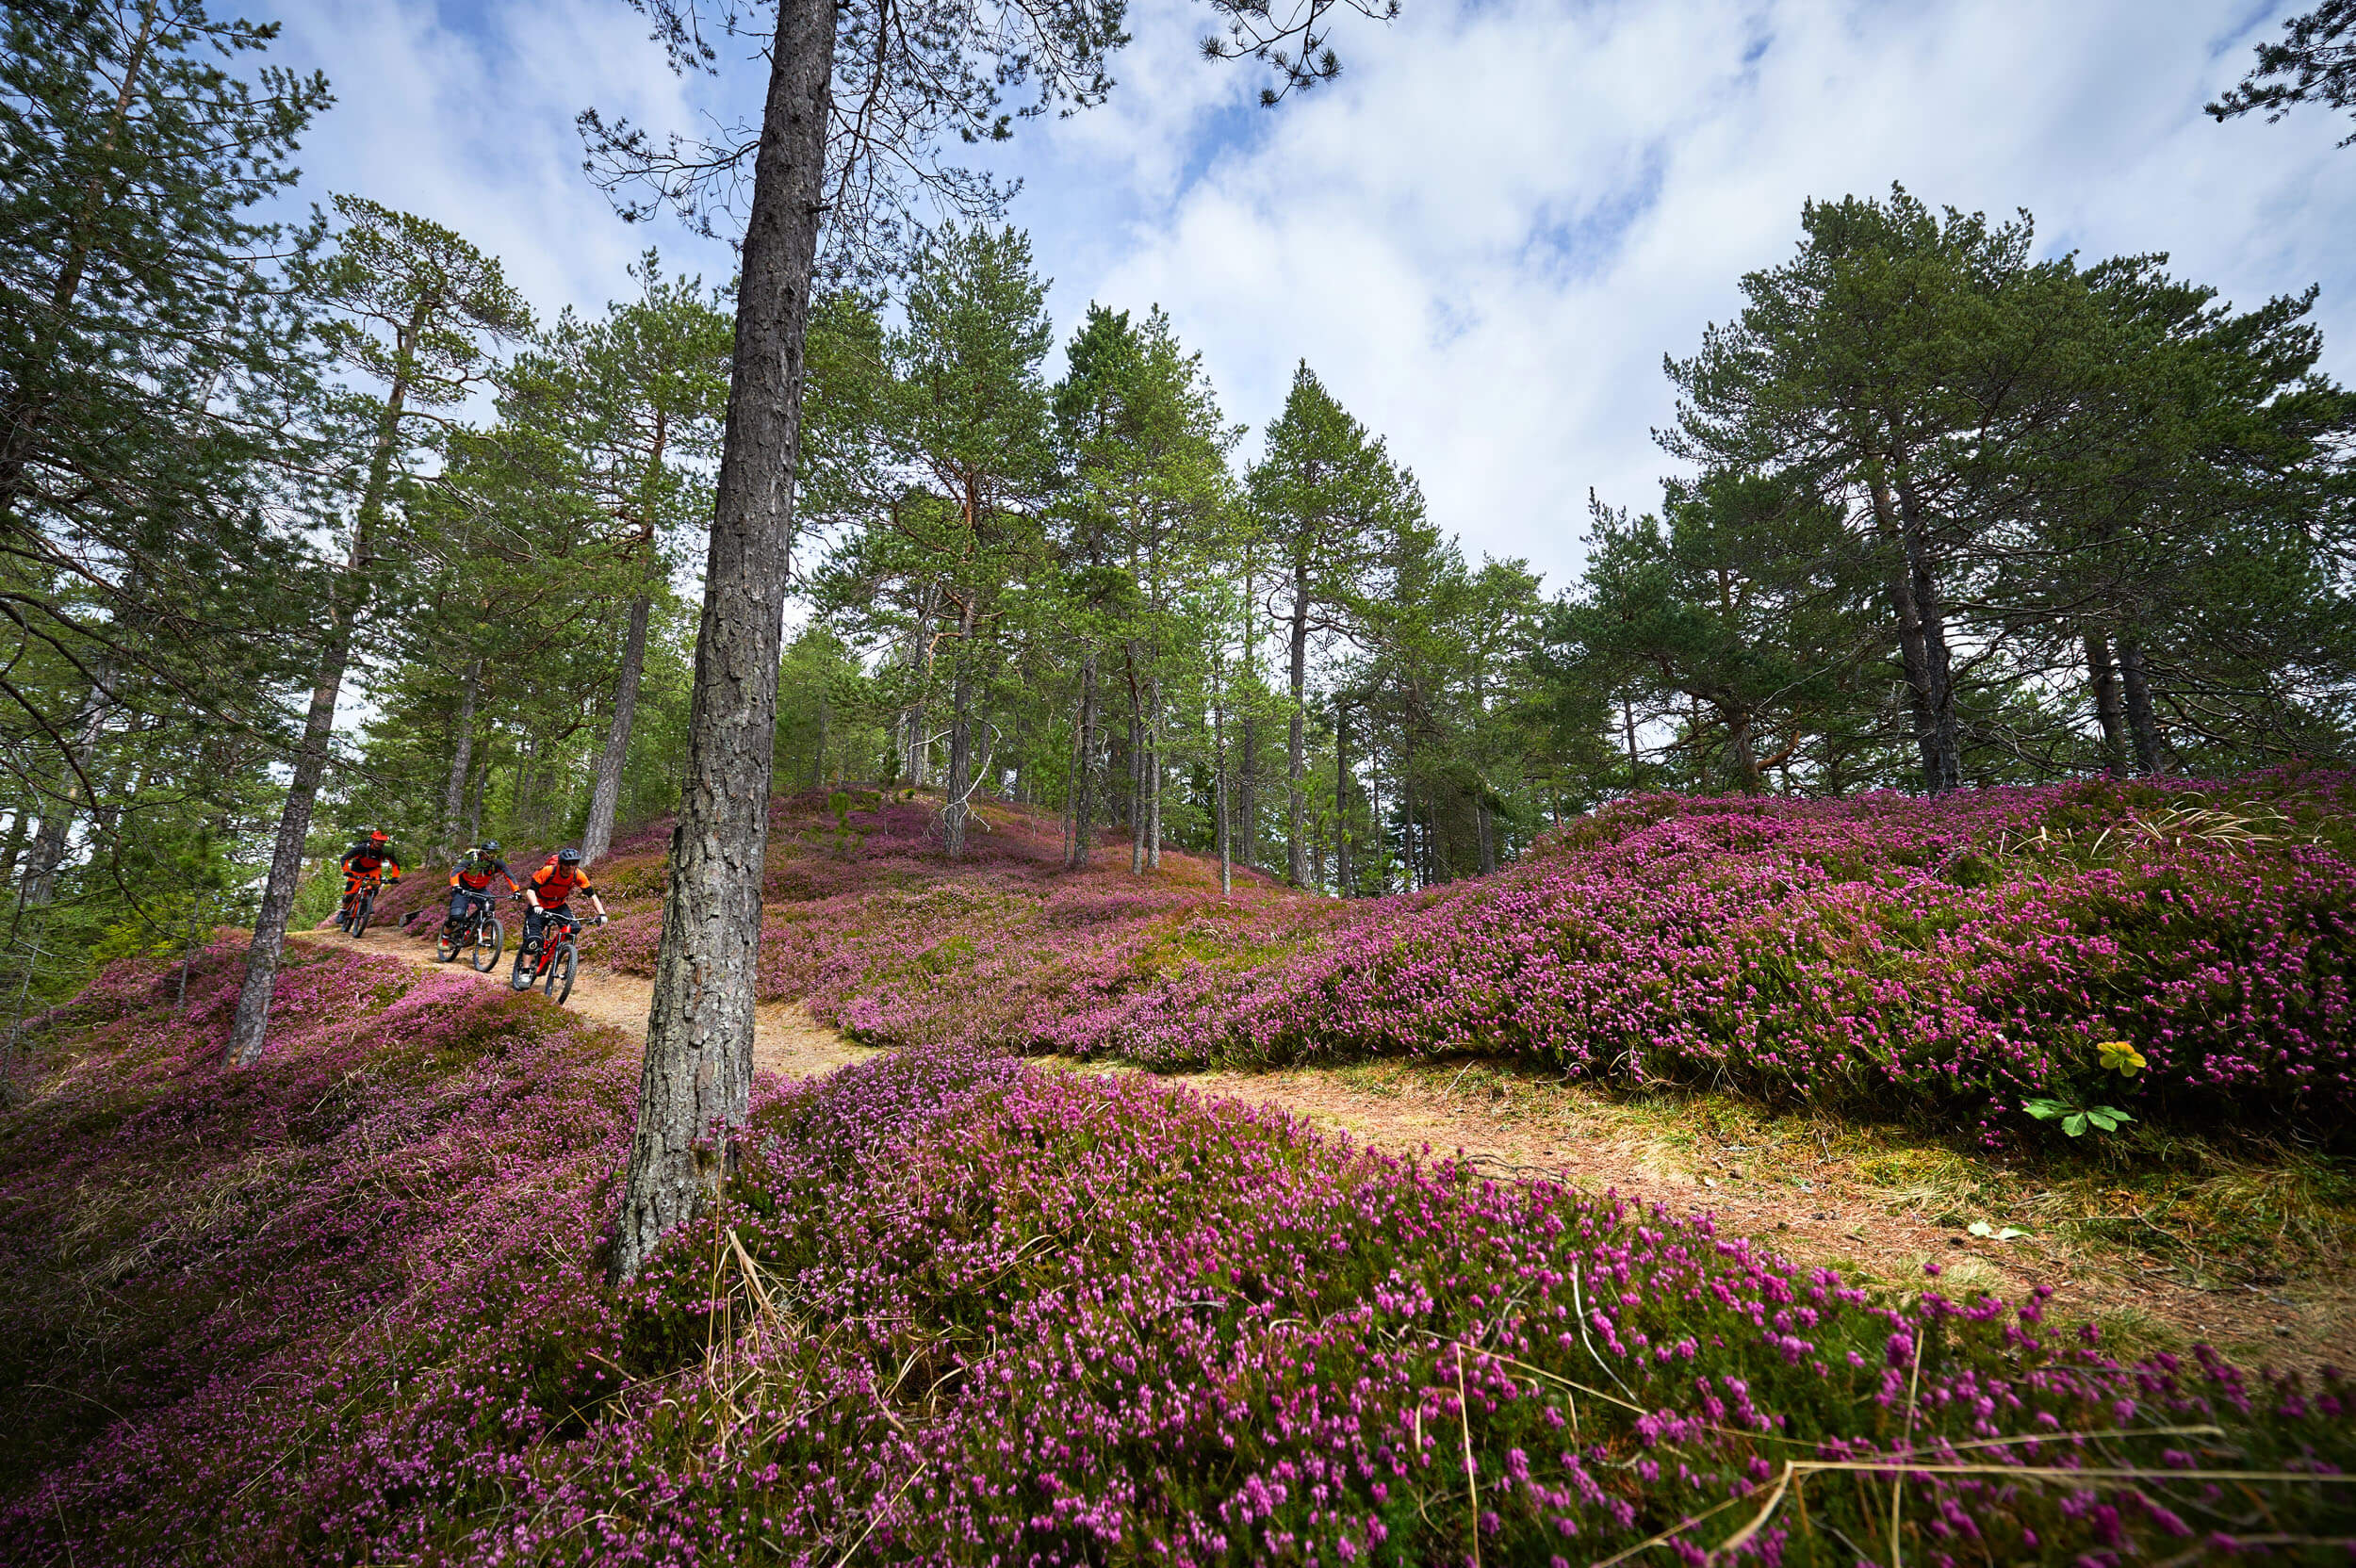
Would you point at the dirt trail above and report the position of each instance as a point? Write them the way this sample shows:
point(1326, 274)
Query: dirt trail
point(1814, 1212)
point(786, 1039)
point(1523, 1129)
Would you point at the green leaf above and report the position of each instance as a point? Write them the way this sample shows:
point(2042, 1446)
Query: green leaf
point(2075, 1123)
point(2045, 1110)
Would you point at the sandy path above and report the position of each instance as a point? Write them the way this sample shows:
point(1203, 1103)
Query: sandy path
point(1830, 1221)
point(1833, 1220)
point(786, 1039)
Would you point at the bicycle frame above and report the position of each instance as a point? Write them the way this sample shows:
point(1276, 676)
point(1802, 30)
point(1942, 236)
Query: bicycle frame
point(554, 928)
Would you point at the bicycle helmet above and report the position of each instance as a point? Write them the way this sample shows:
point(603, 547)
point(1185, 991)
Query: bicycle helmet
point(379, 837)
point(568, 857)
point(489, 846)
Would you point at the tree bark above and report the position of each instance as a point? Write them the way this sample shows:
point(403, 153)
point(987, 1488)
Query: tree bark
point(699, 1073)
point(598, 836)
point(1153, 791)
point(1083, 776)
point(1924, 582)
point(1218, 767)
point(1342, 886)
point(954, 809)
point(1913, 647)
point(818, 752)
point(1486, 820)
point(1136, 769)
point(14, 851)
point(1297, 760)
point(1247, 801)
point(1410, 869)
point(461, 760)
point(2103, 676)
point(2143, 724)
point(1746, 773)
point(1628, 730)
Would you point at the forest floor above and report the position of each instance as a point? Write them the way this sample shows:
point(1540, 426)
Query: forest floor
point(2248, 1258)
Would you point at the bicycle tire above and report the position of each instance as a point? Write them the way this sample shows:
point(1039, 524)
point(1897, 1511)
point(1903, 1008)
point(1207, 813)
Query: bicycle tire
point(360, 915)
point(490, 940)
point(560, 968)
point(445, 946)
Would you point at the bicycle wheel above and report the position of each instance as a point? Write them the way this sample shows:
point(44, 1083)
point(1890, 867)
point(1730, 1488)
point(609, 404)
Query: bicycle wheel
point(490, 940)
point(360, 915)
point(560, 973)
point(445, 946)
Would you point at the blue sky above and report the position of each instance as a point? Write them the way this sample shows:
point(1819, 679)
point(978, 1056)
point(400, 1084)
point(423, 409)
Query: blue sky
point(1488, 233)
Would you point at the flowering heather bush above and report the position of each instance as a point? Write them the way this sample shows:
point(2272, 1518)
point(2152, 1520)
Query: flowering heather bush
point(1953, 955)
point(1888, 950)
point(347, 1308)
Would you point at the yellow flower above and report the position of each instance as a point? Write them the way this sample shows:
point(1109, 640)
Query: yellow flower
point(2120, 1057)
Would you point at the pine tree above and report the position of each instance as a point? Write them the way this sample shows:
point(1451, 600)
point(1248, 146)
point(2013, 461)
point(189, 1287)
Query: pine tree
point(415, 309)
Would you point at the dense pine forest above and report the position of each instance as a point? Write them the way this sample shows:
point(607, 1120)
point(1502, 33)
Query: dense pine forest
point(325, 500)
point(1069, 850)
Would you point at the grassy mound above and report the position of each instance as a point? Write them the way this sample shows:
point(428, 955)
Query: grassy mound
point(346, 1307)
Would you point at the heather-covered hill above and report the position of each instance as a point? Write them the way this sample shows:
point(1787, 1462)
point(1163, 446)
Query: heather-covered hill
point(347, 1306)
point(1956, 956)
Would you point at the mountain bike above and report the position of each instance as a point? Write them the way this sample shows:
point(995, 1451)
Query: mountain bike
point(481, 936)
point(551, 965)
point(362, 908)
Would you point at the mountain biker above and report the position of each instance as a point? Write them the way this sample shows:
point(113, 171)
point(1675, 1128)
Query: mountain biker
point(366, 862)
point(470, 884)
point(548, 889)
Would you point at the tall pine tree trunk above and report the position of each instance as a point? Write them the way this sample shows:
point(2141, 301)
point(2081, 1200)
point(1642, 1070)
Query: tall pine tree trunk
point(1083, 776)
point(1226, 831)
point(2103, 678)
point(14, 851)
point(2143, 724)
point(598, 835)
point(1153, 792)
point(1342, 884)
point(1247, 801)
point(1412, 868)
point(1914, 655)
point(955, 809)
point(461, 758)
point(1946, 731)
point(698, 1071)
point(1628, 731)
point(249, 1026)
point(1136, 796)
point(1296, 755)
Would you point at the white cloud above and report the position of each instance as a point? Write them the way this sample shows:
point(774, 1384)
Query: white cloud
point(1488, 233)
